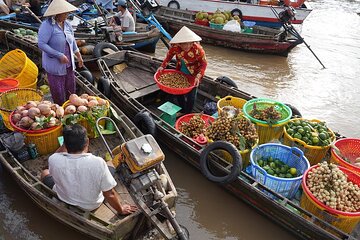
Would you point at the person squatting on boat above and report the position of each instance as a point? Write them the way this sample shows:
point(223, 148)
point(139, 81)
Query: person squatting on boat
point(123, 18)
point(57, 42)
point(190, 59)
point(4, 6)
point(80, 178)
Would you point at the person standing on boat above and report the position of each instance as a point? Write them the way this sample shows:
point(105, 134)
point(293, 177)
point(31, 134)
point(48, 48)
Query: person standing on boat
point(79, 178)
point(4, 6)
point(190, 59)
point(57, 42)
point(123, 18)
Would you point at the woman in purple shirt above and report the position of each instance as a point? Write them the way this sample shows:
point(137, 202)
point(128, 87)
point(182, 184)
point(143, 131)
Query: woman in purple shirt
point(58, 45)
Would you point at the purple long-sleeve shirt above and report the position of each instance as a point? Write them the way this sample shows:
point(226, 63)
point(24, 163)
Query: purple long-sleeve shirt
point(51, 41)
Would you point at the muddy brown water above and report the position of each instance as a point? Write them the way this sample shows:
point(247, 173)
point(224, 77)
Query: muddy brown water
point(207, 211)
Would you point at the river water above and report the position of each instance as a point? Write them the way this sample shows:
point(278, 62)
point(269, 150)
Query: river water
point(333, 32)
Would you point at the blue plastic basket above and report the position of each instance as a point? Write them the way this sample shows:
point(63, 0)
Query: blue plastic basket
point(292, 156)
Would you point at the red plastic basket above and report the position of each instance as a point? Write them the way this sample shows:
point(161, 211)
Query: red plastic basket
point(353, 177)
point(29, 131)
point(8, 84)
point(187, 117)
point(201, 22)
point(349, 148)
point(174, 91)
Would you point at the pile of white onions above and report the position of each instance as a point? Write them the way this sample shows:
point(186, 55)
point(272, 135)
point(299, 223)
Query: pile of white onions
point(331, 186)
point(82, 103)
point(37, 115)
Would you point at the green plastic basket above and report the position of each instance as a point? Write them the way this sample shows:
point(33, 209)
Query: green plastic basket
point(216, 26)
point(262, 103)
point(268, 132)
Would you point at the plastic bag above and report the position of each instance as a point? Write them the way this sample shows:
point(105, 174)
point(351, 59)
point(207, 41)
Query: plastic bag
point(233, 26)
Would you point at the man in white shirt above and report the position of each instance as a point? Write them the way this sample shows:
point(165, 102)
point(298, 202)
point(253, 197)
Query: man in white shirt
point(123, 18)
point(79, 178)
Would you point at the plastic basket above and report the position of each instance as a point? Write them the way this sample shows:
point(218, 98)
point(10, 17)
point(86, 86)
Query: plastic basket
point(349, 148)
point(46, 140)
point(174, 91)
point(15, 64)
point(313, 153)
point(293, 157)
point(216, 26)
point(230, 101)
point(8, 84)
point(265, 131)
point(9, 100)
point(201, 22)
point(32, 85)
point(346, 221)
point(90, 130)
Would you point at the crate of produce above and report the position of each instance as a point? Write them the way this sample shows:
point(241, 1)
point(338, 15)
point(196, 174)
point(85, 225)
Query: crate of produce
point(239, 131)
point(216, 26)
point(40, 123)
point(311, 136)
point(15, 64)
point(349, 155)
point(236, 102)
point(10, 99)
point(174, 82)
point(279, 167)
point(316, 186)
point(85, 110)
point(269, 117)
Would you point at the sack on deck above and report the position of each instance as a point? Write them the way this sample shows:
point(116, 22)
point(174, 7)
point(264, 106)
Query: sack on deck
point(233, 26)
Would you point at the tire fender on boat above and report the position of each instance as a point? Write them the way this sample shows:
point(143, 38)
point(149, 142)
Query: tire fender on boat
point(145, 122)
point(174, 4)
point(237, 162)
point(294, 3)
point(104, 86)
point(87, 75)
point(236, 12)
point(226, 80)
point(98, 50)
point(295, 112)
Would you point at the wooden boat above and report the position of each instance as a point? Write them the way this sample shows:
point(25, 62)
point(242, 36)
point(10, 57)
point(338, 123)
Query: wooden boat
point(104, 222)
point(261, 40)
point(132, 87)
point(143, 39)
point(260, 11)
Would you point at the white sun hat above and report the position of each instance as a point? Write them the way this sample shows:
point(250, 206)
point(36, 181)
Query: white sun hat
point(185, 35)
point(59, 6)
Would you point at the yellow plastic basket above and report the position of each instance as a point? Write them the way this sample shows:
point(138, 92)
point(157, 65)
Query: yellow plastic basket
point(90, 130)
point(342, 220)
point(267, 132)
point(9, 100)
point(46, 142)
point(313, 153)
point(230, 101)
point(31, 85)
point(15, 64)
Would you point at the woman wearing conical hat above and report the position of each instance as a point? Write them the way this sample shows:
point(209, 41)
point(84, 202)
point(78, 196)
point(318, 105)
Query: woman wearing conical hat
point(190, 59)
point(58, 45)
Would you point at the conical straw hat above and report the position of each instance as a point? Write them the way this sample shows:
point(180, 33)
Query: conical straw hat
point(59, 6)
point(185, 35)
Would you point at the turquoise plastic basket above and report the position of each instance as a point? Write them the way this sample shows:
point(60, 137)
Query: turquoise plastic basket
point(216, 26)
point(293, 157)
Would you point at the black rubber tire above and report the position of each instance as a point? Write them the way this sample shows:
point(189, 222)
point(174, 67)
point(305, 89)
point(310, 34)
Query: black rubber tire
point(98, 50)
point(145, 122)
point(104, 86)
point(174, 2)
point(237, 12)
point(237, 162)
point(226, 80)
point(295, 112)
point(88, 75)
